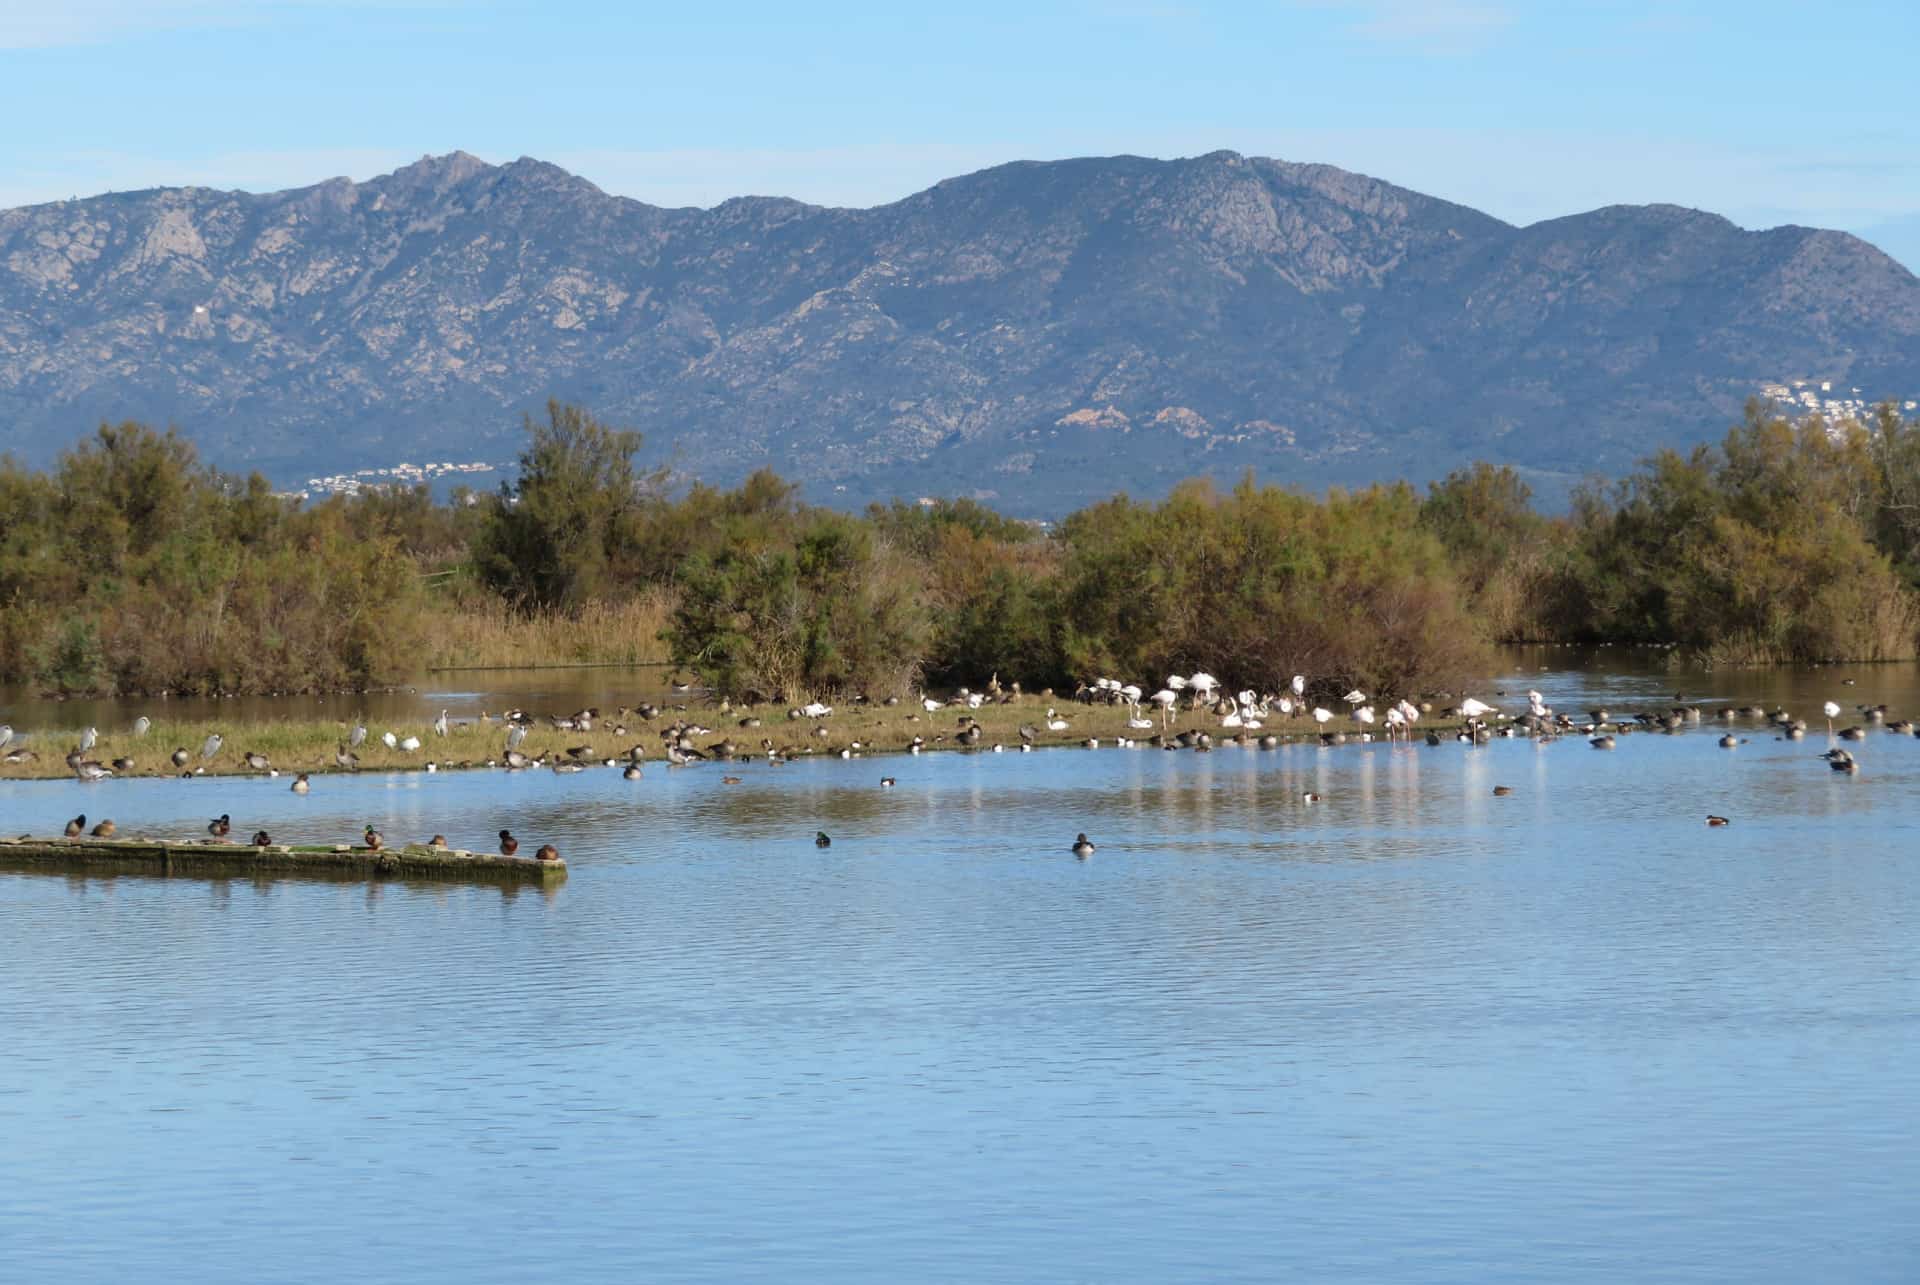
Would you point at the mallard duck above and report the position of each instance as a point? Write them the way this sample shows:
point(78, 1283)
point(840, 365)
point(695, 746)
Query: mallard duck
point(508, 844)
point(547, 852)
point(1502, 791)
point(105, 830)
point(77, 826)
point(820, 839)
point(437, 841)
point(220, 826)
point(1717, 820)
point(261, 839)
point(374, 839)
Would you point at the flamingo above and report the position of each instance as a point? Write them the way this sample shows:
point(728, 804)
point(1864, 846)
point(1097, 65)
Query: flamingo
point(1299, 685)
point(1472, 708)
point(1165, 698)
point(1322, 715)
point(1355, 697)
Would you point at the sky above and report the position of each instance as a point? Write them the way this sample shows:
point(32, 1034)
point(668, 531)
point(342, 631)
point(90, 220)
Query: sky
point(1766, 112)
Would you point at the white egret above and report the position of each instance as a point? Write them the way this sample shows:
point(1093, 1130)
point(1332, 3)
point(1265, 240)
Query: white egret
point(1299, 684)
point(1833, 712)
point(440, 724)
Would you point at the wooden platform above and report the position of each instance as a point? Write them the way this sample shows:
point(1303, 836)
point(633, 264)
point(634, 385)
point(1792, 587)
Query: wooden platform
point(135, 855)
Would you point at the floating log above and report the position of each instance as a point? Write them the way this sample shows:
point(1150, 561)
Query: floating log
point(136, 855)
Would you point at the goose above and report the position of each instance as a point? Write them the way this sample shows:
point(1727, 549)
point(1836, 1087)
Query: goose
point(105, 830)
point(77, 826)
point(346, 759)
point(1082, 847)
point(92, 771)
point(300, 785)
point(508, 844)
point(220, 826)
point(547, 852)
point(374, 839)
point(516, 760)
point(1853, 733)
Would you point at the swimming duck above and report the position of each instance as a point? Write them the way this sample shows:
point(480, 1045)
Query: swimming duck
point(1082, 847)
point(300, 785)
point(1729, 741)
point(1310, 797)
point(220, 826)
point(374, 839)
point(1716, 820)
point(729, 780)
point(1601, 742)
point(820, 839)
point(631, 771)
point(547, 852)
point(1502, 791)
point(886, 783)
point(77, 826)
point(508, 844)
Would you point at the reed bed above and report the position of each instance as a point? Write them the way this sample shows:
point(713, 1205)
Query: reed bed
point(485, 633)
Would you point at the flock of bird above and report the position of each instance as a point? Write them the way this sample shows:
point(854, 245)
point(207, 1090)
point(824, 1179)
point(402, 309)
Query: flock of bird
point(1238, 717)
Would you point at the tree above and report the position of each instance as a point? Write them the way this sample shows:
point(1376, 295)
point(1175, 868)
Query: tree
point(557, 536)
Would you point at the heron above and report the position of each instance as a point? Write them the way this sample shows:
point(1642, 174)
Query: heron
point(89, 738)
point(358, 736)
point(212, 745)
point(440, 724)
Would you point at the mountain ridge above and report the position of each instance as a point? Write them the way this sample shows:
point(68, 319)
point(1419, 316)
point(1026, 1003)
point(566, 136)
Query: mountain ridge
point(1040, 333)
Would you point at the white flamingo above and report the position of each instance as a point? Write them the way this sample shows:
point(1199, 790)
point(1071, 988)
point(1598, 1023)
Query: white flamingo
point(1165, 698)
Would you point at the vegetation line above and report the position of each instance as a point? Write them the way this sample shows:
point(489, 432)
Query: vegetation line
point(130, 569)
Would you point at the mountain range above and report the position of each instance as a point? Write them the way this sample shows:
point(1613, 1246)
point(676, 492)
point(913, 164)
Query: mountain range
point(1037, 334)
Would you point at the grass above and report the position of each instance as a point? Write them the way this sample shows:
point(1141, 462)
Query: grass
point(484, 633)
point(307, 745)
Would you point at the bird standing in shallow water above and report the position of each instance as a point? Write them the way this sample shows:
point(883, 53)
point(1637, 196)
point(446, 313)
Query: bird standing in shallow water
point(508, 844)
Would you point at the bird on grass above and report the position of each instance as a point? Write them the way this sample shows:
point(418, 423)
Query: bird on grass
point(105, 830)
point(180, 757)
point(211, 746)
point(1082, 847)
point(345, 759)
point(77, 826)
point(374, 839)
point(220, 826)
point(508, 844)
point(89, 739)
point(123, 764)
point(440, 724)
point(141, 724)
point(258, 762)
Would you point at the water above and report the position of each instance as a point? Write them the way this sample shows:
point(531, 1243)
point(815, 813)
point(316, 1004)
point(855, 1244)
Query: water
point(1413, 1032)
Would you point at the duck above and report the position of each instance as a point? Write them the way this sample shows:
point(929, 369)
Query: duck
point(346, 759)
point(508, 844)
point(820, 839)
point(1082, 847)
point(262, 839)
point(105, 830)
point(180, 756)
point(220, 826)
point(1602, 742)
point(1502, 791)
point(547, 852)
point(374, 839)
point(886, 783)
point(258, 762)
point(1717, 820)
point(1729, 741)
point(1311, 797)
point(438, 841)
point(631, 771)
point(123, 764)
point(729, 780)
point(300, 784)
point(77, 826)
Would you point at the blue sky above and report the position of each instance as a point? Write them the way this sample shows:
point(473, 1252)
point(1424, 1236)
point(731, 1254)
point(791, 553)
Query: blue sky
point(1766, 112)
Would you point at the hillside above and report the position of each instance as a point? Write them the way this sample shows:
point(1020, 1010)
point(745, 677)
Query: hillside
point(1042, 332)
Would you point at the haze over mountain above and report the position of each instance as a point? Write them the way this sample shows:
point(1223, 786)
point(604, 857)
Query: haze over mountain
point(1040, 333)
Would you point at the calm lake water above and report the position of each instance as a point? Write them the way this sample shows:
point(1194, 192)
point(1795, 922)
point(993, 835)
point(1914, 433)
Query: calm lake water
point(1413, 1032)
